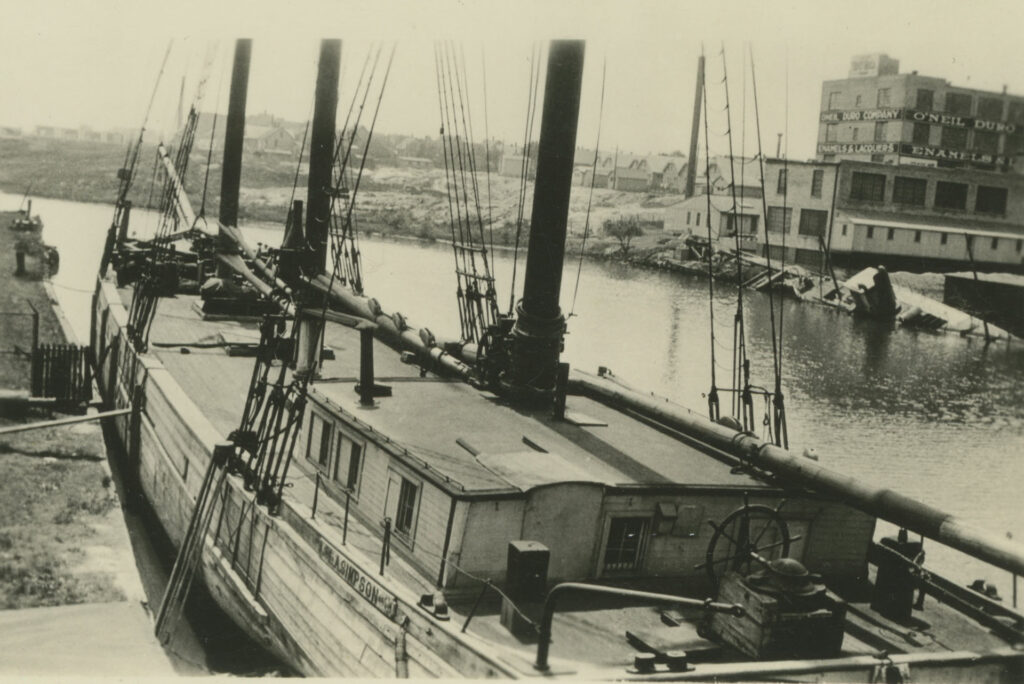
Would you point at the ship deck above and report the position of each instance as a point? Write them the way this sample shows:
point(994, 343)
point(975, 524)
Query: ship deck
point(428, 414)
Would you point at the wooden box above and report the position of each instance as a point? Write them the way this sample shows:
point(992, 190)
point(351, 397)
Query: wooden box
point(777, 628)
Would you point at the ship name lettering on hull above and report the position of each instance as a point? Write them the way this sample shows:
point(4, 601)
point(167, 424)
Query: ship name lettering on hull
point(379, 597)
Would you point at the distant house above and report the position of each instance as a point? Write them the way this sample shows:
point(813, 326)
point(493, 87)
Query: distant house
point(113, 137)
point(512, 165)
point(46, 131)
point(68, 133)
point(690, 217)
point(630, 179)
point(270, 140)
point(86, 133)
point(415, 163)
point(10, 132)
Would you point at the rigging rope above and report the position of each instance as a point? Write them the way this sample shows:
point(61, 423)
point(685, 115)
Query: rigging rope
point(531, 110)
point(590, 196)
point(713, 404)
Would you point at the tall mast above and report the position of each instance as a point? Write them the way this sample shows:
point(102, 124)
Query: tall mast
point(321, 155)
point(691, 167)
point(538, 333)
point(234, 135)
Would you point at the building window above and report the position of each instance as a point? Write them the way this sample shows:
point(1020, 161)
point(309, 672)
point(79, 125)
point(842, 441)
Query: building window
point(955, 138)
point(817, 180)
point(871, 232)
point(830, 157)
point(855, 133)
point(986, 141)
point(625, 547)
point(922, 134)
point(892, 234)
point(779, 220)
point(995, 243)
point(1020, 245)
point(1015, 142)
point(909, 190)
point(355, 463)
point(944, 239)
point(698, 218)
point(917, 236)
point(990, 200)
point(925, 99)
point(858, 101)
point(844, 230)
point(879, 131)
point(780, 187)
point(830, 132)
point(869, 187)
point(1016, 112)
point(405, 514)
point(813, 222)
point(878, 158)
point(833, 100)
point(950, 195)
point(958, 103)
point(687, 218)
point(990, 108)
point(884, 96)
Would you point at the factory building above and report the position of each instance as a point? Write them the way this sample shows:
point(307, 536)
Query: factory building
point(878, 114)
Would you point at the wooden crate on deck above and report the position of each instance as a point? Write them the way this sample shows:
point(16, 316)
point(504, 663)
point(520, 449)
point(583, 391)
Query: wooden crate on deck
point(773, 629)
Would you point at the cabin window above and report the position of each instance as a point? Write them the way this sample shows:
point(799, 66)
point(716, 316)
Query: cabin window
point(324, 456)
point(922, 133)
point(867, 186)
point(990, 200)
point(813, 222)
point(406, 513)
point(817, 180)
point(348, 462)
point(950, 195)
point(909, 190)
point(626, 542)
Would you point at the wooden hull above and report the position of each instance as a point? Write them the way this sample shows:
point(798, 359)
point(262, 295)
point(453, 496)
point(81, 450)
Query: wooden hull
point(285, 580)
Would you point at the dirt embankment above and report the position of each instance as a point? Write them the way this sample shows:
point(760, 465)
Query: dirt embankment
point(61, 537)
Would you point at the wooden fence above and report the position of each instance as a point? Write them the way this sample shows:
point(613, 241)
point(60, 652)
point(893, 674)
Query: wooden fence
point(62, 372)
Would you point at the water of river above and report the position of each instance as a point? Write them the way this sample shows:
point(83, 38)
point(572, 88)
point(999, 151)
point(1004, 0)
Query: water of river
point(938, 418)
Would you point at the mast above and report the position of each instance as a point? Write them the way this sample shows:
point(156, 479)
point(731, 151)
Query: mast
point(691, 167)
point(318, 200)
point(537, 337)
point(234, 134)
point(321, 156)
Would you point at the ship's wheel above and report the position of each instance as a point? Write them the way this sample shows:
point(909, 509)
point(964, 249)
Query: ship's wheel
point(749, 537)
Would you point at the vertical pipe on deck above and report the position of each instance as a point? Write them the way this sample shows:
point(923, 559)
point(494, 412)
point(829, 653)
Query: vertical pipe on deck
point(540, 323)
point(234, 134)
point(691, 163)
point(321, 155)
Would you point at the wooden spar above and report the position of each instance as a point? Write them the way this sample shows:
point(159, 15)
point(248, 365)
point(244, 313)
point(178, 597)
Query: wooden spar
point(11, 429)
point(321, 155)
point(182, 205)
point(691, 167)
point(540, 325)
point(394, 330)
point(234, 134)
point(880, 502)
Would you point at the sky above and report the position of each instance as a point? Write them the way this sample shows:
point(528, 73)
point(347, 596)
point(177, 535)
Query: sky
point(94, 62)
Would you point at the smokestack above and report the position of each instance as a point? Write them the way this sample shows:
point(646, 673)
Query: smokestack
point(234, 134)
point(691, 166)
point(321, 155)
point(537, 335)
